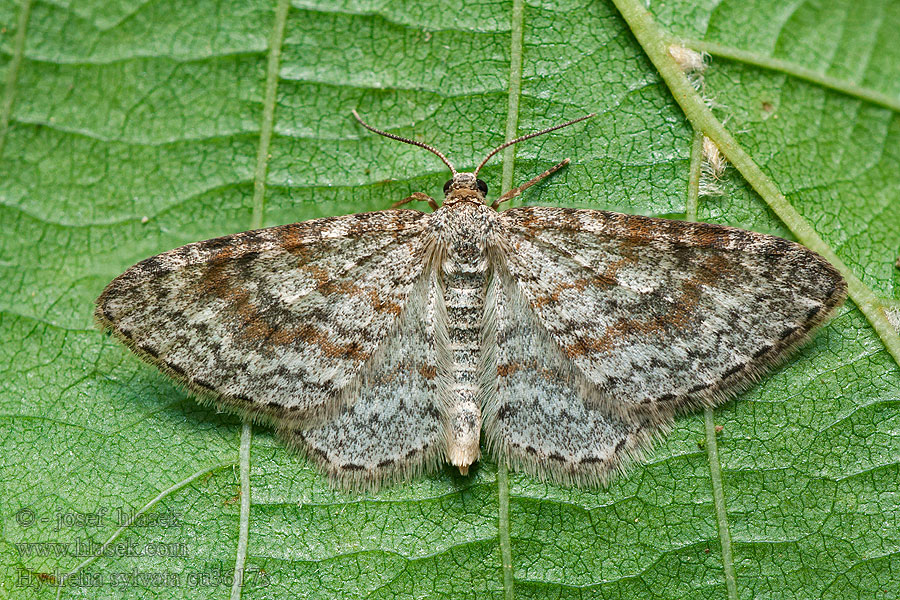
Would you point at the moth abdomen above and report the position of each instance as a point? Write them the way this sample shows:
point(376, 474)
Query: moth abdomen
point(464, 277)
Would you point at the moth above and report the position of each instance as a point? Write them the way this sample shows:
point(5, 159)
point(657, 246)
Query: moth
point(383, 345)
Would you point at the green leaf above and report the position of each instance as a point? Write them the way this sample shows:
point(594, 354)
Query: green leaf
point(129, 128)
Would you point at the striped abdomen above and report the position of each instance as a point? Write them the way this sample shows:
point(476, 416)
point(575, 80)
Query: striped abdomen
point(464, 290)
point(464, 272)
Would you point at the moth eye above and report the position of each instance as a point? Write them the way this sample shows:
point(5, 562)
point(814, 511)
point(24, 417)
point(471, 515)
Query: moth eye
point(447, 186)
point(482, 186)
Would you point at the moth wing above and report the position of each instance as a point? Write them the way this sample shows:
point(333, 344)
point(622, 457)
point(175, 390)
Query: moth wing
point(663, 315)
point(395, 426)
point(537, 416)
point(272, 323)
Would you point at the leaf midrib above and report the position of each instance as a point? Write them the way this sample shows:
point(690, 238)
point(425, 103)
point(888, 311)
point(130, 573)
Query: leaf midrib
point(273, 66)
point(12, 73)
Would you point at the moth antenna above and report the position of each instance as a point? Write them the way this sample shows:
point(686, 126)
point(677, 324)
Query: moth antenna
point(528, 137)
point(431, 149)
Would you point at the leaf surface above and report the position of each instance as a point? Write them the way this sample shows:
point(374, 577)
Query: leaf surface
point(137, 127)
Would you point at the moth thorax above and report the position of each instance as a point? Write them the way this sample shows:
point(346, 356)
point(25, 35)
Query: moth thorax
point(466, 239)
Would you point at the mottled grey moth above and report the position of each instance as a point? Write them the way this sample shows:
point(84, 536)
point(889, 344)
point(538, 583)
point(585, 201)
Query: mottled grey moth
point(385, 344)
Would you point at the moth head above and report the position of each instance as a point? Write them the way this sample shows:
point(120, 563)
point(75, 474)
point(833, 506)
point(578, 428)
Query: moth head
point(466, 181)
